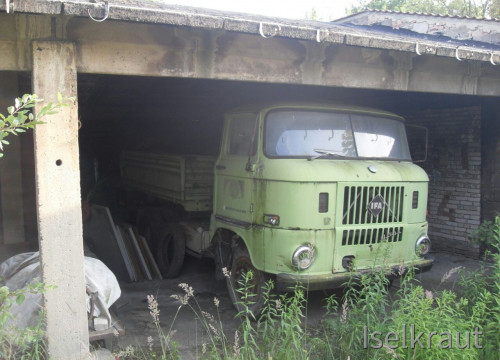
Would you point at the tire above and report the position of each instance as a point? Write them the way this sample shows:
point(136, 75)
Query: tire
point(241, 264)
point(170, 250)
point(149, 224)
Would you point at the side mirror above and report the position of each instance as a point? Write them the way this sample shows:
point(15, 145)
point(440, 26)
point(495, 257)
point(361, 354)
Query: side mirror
point(418, 140)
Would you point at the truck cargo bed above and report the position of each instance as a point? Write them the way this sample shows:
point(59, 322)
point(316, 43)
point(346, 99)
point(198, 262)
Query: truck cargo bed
point(186, 180)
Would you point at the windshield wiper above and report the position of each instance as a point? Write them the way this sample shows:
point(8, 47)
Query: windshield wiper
point(323, 153)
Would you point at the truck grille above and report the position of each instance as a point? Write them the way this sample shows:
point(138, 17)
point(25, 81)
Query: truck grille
point(372, 236)
point(357, 200)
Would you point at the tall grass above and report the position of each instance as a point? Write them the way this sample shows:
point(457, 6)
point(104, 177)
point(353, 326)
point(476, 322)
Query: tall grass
point(367, 322)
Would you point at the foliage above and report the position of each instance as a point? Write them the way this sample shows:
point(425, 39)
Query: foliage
point(313, 15)
point(281, 332)
point(474, 8)
point(371, 307)
point(21, 118)
point(482, 289)
point(487, 234)
point(17, 343)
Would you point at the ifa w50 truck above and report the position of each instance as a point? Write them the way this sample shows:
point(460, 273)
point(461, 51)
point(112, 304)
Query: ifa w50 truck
point(302, 193)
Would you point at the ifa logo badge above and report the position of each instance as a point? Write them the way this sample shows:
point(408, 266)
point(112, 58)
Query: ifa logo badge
point(376, 206)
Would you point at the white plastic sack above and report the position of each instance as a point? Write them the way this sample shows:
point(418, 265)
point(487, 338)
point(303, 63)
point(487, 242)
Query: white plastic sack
point(23, 269)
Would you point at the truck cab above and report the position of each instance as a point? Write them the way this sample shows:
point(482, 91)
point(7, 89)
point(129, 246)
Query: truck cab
point(315, 194)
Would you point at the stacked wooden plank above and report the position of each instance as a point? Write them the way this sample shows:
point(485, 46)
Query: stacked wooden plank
point(120, 247)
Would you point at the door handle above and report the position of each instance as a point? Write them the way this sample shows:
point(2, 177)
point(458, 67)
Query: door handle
point(220, 167)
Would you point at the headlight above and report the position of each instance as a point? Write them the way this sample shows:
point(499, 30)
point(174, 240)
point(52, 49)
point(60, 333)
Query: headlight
point(423, 245)
point(303, 257)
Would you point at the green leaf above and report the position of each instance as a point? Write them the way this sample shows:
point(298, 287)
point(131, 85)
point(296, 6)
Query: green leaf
point(17, 103)
point(22, 118)
point(20, 130)
point(4, 142)
point(20, 299)
point(11, 109)
point(59, 97)
point(31, 117)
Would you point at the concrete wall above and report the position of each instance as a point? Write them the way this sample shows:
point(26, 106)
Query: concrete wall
point(454, 167)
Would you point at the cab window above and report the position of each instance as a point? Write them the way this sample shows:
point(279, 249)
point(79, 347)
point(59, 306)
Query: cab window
point(241, 134)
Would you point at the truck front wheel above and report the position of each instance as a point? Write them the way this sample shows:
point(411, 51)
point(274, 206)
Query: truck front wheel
point(245, 290)
point(170, 250)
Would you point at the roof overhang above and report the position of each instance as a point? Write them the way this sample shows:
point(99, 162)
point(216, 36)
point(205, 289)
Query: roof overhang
point(160, 13)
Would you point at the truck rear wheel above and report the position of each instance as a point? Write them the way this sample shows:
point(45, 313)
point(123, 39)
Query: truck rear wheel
point(148, 225)
point(170, 250)
point(245, 294)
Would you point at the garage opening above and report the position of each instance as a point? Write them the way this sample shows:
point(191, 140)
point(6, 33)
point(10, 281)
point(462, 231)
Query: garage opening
point(184, 116)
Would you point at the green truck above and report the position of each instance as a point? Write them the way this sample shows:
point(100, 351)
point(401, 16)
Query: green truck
point(302, 193)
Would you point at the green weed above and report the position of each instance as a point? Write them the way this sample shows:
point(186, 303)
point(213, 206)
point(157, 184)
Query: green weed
point(17, 343)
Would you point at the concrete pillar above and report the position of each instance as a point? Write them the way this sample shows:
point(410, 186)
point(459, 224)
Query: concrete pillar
point(12, 227)
point(58, 202)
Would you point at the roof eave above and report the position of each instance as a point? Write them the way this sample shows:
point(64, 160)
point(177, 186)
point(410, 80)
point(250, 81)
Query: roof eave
point(323, 32)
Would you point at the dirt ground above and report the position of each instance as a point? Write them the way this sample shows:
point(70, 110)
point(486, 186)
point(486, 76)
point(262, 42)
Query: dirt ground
point(132, 307)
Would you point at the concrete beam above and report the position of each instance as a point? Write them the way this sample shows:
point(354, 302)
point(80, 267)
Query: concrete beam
point(59, 203)
point(126, 48)
point(157, 50)
point(11, 185)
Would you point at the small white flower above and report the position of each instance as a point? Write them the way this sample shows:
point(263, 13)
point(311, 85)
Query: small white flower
point(153, 309)
point(345, 309)
point(450, 272)
point(208, 316)
point(236, 346)
point(187, 289)
point(150, 343)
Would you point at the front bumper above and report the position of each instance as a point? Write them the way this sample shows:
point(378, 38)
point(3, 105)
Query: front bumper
point(287, 282)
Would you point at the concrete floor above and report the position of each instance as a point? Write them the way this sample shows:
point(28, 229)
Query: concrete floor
point(132, 307)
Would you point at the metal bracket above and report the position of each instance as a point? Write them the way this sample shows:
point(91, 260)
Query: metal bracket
point(417, 50)
point(7, 6)
point(276, 31)
point(106, 12)
point(456, 54)
point(491, 59)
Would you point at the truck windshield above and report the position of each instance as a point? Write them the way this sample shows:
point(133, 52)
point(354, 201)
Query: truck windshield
point(314, 134)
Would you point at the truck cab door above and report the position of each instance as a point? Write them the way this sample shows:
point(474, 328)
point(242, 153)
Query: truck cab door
point(234, 188)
